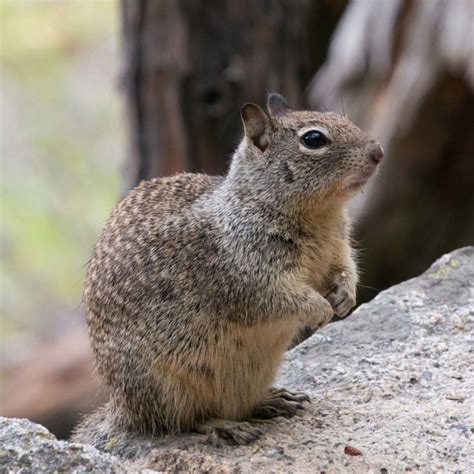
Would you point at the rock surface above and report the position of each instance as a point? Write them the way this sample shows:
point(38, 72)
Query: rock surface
point(394, 381)
point(30, 448)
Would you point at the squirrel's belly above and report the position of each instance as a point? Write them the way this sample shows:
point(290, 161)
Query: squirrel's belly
point(248, 364)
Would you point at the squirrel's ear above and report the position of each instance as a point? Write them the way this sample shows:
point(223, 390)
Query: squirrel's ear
point(256, 125)
point(277, 105)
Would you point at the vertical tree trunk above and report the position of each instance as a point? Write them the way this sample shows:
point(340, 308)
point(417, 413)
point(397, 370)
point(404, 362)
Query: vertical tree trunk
point(190, 66)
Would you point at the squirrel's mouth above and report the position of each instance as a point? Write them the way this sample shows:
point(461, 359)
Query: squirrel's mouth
point(357, 182)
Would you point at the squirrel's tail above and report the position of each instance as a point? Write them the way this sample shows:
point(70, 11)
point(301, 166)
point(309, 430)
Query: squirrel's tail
point(103, 429)
point(98, 429)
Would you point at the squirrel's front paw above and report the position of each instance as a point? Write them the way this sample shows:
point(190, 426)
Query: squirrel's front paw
point(342, 297)
point(315, 309)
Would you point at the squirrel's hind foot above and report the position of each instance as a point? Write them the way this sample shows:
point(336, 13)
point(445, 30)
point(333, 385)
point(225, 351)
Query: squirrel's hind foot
point(222, 432)
point(280, 402)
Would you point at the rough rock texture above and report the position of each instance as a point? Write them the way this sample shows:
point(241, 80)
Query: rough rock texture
point(395, 381)
point(29, 448)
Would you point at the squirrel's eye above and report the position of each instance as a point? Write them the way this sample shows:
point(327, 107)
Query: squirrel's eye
point(314, 139)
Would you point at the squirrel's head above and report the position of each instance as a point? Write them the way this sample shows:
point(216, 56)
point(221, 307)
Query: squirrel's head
point(310, 154)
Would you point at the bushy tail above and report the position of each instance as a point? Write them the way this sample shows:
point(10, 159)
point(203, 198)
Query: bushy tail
point(104, 430)
point(98, 429)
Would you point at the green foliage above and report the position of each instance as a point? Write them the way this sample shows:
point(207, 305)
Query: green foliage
point(60, 148)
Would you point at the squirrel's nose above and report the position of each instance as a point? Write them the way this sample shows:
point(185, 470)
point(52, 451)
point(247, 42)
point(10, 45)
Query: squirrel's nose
point(376, 152)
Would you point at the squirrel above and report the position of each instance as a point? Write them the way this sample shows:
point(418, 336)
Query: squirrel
point(198, 284)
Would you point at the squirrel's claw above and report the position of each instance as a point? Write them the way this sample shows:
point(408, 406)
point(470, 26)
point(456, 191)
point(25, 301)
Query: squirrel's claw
point(281, 402)
point(222, 432)
point(341, 300)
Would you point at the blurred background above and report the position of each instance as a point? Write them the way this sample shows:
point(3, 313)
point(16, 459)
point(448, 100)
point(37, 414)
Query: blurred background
point(99, 94)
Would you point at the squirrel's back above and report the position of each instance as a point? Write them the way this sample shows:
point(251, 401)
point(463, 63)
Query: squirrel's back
point(134, 280)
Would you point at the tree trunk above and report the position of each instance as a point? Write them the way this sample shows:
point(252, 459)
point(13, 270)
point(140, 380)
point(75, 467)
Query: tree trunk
point(191, 65)
point(404, 71)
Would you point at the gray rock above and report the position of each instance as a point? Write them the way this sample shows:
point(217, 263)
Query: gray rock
point(394, 380)
point(26, 447)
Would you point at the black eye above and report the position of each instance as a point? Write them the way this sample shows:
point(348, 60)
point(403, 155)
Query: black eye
point(314, 139)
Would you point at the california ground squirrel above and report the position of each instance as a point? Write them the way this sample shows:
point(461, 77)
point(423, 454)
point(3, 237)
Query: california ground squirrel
point(199, 283)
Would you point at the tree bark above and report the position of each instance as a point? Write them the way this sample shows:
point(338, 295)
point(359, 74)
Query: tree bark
point(189, 67)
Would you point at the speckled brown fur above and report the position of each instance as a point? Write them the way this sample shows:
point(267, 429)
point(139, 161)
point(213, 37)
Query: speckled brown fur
point(198, 284)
